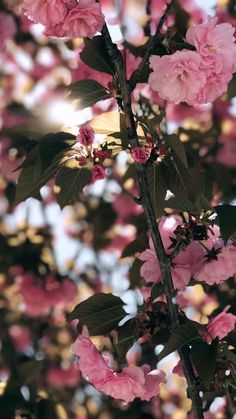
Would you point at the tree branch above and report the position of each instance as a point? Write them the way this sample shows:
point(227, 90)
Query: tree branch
point(135, 77)
point(164, 260)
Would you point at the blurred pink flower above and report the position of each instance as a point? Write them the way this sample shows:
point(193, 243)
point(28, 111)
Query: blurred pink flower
point(40, 296)
point(64, 18)
point(63, 377)
point(21, 337)
point(7, 28)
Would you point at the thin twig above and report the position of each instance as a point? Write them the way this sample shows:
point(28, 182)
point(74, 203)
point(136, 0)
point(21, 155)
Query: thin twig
point(135, 77)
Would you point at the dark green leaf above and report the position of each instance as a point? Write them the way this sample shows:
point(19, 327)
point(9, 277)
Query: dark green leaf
point(31, 180)
point(101, 313)
point(127, 335)
point(95, 56)
point(227, 220)
point(204, 359)
point(157, 291)
point(157, 188)
point(71, 183)
point(160, 337)
point(177, 146)
point(53, 144)
point(27, 374)
point(87, 92)
point(184, 334)
point(134, 274)
point(136, 246)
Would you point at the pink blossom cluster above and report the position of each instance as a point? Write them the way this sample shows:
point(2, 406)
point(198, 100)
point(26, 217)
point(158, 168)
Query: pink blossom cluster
point(126, 385)
point(208, 260)
point(200, 76)
point(42, 296)
point(66, 18)
point(63, 377)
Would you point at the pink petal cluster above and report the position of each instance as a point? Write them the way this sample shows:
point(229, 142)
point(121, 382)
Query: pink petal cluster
point(177, 77)
point(98, 172)
point(221, 325)
point(66, 18)
point(220, 267)
point(126, 385)
point(40, 297)
point(212, 266)
point(138, 154)
point(86, 135)
point(63, 377)
point(200, 76)
point(8, 28)
point(184, 265)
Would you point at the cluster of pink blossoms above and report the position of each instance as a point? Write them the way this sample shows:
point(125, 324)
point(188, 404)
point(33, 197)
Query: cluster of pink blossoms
point(126, 385)
point(208, 261)
point(86, 151)
point(66, 18)
point(41, 297)
point(200, 76)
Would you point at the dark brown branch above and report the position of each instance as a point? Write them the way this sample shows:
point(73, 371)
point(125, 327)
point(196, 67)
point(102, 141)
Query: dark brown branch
point(164, 260)
point(150, 47)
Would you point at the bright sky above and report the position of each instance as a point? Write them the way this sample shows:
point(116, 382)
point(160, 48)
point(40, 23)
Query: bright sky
point(207, 5)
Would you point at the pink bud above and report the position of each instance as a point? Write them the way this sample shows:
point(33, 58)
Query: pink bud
point(98, 172)
point(138, 154)
point(86, 135)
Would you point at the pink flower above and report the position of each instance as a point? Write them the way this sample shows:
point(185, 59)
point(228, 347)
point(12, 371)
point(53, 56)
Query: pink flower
point(86, 135)
point(138, 154)
point(64, 18)
point(92, 365)
point(221, 325)
point(63, 377)
point(211, 40)
point(126, 385)
point(40, 296)
point(83, 20)
point(220, 264)
point(216, 45)
point(98, 172)
point(47, 12)
point(7, 28)
point(177, 77)
point(184, 265)
point(21, 337)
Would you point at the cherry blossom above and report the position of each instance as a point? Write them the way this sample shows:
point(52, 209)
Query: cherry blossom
point(126, 385)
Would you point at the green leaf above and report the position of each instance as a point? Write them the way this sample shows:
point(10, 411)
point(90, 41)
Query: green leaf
point(127, 335)
point(95, 56)
point(101, 313)
point(70, 183)
point(227, 220)
point(87, 92)
point(157, 187)
point(52, 145)
point(26, 374)
point(42, 164)
point(204, 359)
point(157, 291)
point(31, 180)
point(177, 146)
point(136, 246)
point(184, 334)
